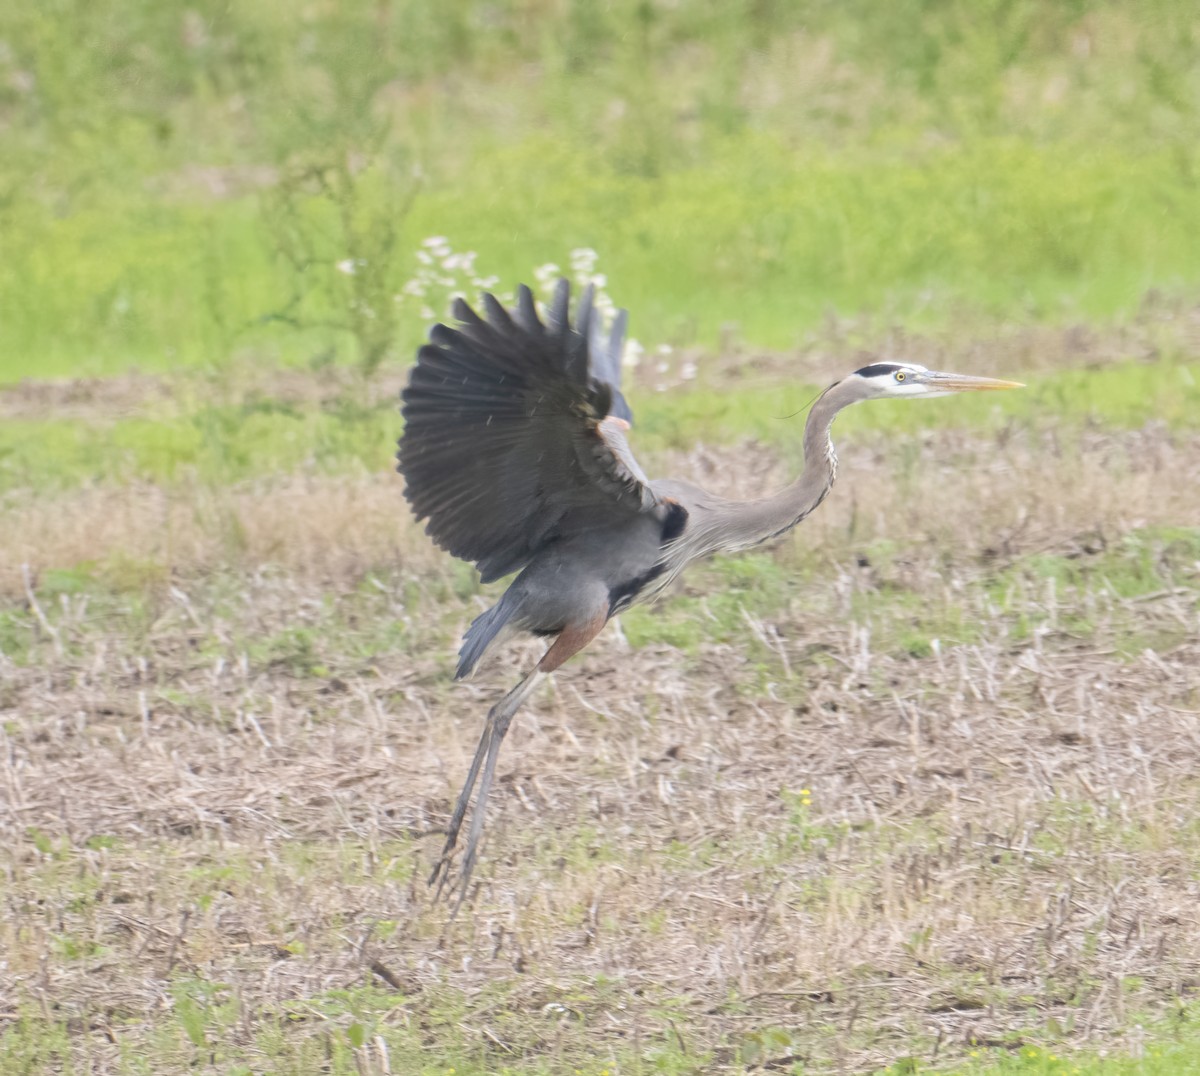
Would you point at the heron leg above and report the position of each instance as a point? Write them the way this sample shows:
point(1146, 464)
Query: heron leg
point(570, 641)
point(498, 719)
point(460, 806)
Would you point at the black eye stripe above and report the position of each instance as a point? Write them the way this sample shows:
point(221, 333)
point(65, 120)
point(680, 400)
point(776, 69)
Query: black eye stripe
point(878, 369)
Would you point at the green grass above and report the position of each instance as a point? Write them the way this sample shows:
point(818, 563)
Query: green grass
point(211, 444)
point(216, 444)
point(770, 241)
point(1161, 1058)
point(750, 165)
point(335, 1027)
point(342, 1021)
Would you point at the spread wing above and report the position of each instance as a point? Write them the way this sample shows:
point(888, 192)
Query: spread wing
point(514, 431)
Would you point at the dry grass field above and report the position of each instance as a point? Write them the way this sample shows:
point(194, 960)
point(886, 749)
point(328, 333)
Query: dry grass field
point(915, 789)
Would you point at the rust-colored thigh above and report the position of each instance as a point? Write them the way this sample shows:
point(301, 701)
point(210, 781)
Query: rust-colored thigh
point(572, 639)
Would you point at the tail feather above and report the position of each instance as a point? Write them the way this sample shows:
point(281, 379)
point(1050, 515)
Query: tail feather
point(486, 629)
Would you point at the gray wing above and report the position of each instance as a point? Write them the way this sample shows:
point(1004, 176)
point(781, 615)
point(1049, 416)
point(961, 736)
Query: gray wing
point(514, 431)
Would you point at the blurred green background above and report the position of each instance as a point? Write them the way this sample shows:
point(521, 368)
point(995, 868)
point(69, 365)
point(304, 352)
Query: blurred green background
point(198, 183)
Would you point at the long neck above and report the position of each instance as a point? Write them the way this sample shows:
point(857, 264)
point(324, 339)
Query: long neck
point(735, 525)
point(772, 516)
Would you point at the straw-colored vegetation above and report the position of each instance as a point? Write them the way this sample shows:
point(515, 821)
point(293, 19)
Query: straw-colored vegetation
point(914, 790)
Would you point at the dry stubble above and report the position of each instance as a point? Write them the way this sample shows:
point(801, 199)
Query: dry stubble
point(997, 833)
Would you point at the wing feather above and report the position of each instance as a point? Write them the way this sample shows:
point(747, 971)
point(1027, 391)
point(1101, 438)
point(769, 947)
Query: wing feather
point(508, 441)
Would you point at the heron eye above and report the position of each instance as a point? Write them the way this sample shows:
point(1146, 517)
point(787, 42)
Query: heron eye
point(900, 375)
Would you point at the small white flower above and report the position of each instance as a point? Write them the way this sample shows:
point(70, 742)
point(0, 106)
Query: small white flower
point(687, 371)
point(347, 266)
point(546, 274)
point(583, 259)
point(435, 241)
point(633, 353)
point(459, 262)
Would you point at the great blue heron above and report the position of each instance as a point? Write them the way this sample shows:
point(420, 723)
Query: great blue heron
point(514, 450)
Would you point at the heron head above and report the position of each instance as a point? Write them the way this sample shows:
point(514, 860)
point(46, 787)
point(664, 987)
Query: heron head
point(887, 379)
